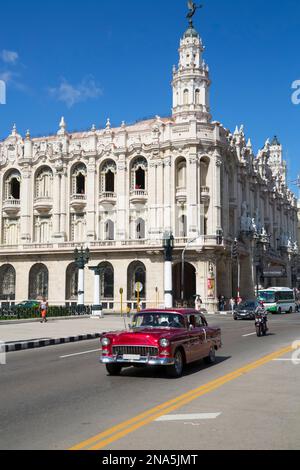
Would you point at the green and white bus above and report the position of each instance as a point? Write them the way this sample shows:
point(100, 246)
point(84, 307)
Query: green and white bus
point(278, 299)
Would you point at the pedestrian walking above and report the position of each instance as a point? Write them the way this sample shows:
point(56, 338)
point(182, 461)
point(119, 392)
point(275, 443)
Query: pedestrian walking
point(198, 303)
point(232, 304)
point(222, 303)
point(44, 310)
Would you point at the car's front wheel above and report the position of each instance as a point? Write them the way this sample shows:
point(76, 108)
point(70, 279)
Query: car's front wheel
point(176, 370)
point(113, 369)
point(211, 359)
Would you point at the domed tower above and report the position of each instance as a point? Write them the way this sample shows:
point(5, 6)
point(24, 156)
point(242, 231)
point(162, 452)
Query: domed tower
point(276, 162)
point(191, 81)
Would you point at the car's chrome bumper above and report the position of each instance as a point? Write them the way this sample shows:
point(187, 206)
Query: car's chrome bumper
point(148, 361)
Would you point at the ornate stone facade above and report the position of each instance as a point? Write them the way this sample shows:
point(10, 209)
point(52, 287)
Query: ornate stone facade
point(118, 190)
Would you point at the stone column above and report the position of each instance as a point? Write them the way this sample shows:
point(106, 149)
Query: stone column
point(211, 285)
point(26, 205)
point(56, 204)
point(168, 285)
point(81, 286)
point(63, 205)
point(97, 307)
point(217, 204)
point(152, 200)
point(168, 184)
point(192, 200)
point(123, 191)
point(92, 198)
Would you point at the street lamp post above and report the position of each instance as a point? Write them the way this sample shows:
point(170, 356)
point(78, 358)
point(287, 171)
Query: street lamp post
point(82, 258)
point(168, 245)
point(262, 245)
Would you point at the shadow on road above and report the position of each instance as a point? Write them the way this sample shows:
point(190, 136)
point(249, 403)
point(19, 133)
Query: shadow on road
point(160, 372)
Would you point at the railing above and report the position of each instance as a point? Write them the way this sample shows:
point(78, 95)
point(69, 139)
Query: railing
point(43, 199)
point(203, 240)
point(78, 197)
point(11, 202)
point(108, 195)
point(139, 192)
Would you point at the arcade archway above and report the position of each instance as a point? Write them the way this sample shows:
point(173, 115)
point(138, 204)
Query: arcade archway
point(189, 287)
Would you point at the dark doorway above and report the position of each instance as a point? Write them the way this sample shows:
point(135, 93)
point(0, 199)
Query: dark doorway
point(15, 189)
point(110, 182)
point(189, 285)
point(140, 179)
point(80, 184)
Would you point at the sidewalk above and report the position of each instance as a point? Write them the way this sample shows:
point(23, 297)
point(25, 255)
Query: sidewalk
point(27, 335)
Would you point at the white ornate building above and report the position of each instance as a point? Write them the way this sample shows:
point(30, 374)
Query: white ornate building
point(118, 190)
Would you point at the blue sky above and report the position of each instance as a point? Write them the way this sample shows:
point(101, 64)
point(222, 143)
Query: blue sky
point(94, 59)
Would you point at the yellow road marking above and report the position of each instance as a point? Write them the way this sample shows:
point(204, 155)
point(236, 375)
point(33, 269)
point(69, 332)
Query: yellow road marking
point(121, 430)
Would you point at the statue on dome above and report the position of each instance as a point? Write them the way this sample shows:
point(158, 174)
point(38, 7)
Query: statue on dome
point(192, 9)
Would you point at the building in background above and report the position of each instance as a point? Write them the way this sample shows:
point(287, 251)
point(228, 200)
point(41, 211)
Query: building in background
point(118, 190)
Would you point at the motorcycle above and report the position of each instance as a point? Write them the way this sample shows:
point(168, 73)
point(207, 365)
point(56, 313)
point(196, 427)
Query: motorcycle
point(261, 325)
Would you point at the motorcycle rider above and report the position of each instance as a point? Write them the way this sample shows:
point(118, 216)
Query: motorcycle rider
point(261, 312)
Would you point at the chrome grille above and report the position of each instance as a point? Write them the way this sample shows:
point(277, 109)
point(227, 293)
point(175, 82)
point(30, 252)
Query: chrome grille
point(143, 351)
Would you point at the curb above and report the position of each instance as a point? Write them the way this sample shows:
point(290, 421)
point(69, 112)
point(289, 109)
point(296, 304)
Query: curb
point(20, 346)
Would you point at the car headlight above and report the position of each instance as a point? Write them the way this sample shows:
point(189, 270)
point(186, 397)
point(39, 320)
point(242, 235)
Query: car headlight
point(105, 341)
point(164, 343)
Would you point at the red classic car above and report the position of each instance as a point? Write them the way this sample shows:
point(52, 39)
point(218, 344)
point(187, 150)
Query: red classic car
point(169, 338)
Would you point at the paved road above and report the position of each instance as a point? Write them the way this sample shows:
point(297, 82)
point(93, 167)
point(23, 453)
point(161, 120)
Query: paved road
point(57, 397)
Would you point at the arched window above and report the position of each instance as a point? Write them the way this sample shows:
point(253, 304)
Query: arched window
point(7, 282)
point(140, 229)
point(186, 97)
point(197, 97)
point(136, 274)
point(38, 282)
point(78, 180)
point(44, 183)
point(72, 282)
point(181, 174)
point(106, 281)
point(12, 186)
point(204, 167)
point(109, 230)
point(183, 226)
point(107, 177)
point(139, 172)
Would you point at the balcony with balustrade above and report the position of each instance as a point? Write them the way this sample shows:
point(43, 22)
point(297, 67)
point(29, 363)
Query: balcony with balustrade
point(138, 196)
point(205, 195)
point(108, 197)
point(43, 205)
point(78, 202)
point(11, 206)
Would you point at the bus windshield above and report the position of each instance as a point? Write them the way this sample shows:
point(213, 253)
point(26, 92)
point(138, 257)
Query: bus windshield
point(267, 297)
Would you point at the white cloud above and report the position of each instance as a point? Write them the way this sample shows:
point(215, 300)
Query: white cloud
point(9, 57)
point(73, 94)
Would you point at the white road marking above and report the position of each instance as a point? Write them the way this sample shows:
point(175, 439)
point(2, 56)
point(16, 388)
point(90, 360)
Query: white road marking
point(283, 360)
point(189, 417)
point(80, 354)
point(250, 334)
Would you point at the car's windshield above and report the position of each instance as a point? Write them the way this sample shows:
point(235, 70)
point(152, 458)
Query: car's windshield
point(158, 320)
point(247, 306)
point(267, 297)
